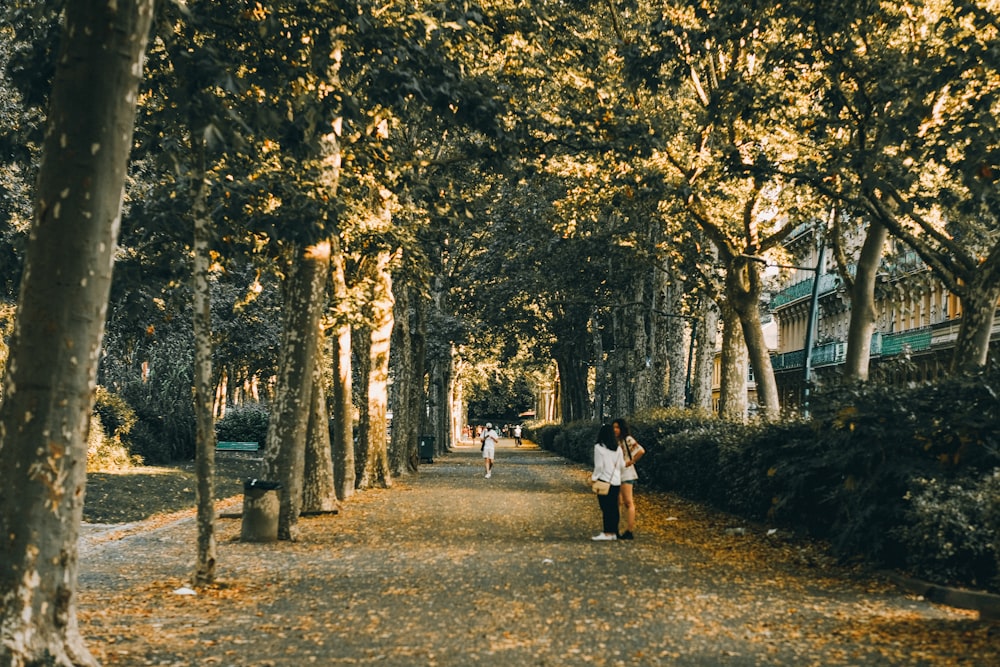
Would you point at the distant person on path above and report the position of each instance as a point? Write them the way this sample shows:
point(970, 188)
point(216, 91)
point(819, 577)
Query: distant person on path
point(632, 452)
point(517, 435)
point(608, 465)
point(490, 440)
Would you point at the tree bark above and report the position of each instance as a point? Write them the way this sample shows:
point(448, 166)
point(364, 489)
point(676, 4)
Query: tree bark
point(204, 396)
point(704, 361)
point(404, 454)
point(679, 338)
point(733, 382)
point(62, 307)
point(863, 311)
point(979, 306)
point(376, 466)
point(601, 411)
point(284, 455)
point(319, 493)
point(440, 362)
point(743, 288)
point(343, 405)
point(573, 389)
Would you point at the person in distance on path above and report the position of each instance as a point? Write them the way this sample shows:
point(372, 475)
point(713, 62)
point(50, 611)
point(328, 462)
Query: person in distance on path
point(608, 465)
point(490, 440)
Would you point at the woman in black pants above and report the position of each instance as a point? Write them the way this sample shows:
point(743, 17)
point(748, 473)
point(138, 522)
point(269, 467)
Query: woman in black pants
point(608, 464)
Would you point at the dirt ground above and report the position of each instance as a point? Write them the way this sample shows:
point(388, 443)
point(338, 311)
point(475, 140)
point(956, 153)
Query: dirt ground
point(448, 568)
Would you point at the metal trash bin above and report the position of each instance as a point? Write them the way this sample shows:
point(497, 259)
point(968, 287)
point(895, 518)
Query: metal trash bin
point(426, 447)
point(261, 506)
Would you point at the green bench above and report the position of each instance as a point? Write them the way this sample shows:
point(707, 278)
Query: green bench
point(226, 446)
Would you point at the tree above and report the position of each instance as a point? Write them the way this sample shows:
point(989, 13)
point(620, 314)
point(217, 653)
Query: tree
point(285, 450)
point(908, 137)
point(62, 307)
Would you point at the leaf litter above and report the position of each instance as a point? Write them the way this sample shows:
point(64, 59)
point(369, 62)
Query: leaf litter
point(447, 568)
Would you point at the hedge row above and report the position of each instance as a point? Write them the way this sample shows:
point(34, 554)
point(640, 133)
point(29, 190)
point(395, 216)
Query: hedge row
point(908, 479)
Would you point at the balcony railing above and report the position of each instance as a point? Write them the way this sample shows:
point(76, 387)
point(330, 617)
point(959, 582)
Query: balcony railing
point(827, 283)
point(913, 340)
point(788, 360)
point(835, 352)
point(829, 353)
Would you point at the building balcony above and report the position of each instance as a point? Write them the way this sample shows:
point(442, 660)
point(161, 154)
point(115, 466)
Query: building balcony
point(828, 282)
point(835, 352)
point(826, 354)
point(913, 340)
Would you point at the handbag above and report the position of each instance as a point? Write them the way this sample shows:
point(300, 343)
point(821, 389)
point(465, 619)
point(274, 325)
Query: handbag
point(600, 487)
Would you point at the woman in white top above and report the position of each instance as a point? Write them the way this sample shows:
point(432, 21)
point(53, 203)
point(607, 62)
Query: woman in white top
point(608, 466)
point(632, 451)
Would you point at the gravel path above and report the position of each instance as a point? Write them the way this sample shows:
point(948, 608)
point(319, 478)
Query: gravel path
point(449, 568)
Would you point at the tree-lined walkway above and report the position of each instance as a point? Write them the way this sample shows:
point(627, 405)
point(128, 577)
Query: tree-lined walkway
point(449, 568)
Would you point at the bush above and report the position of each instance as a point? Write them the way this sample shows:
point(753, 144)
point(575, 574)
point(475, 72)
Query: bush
point(904, 477)
point(949, 533)
point(117, 417)
point(244, 423)
point(107, 454)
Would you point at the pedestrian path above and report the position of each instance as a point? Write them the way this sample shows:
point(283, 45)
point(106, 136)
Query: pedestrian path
point(450, 569)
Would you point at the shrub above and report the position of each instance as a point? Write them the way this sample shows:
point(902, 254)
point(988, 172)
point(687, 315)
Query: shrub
point(244, 423)
point(117, 417)
point(107, 454)
point(902, 477)
point(949, 533)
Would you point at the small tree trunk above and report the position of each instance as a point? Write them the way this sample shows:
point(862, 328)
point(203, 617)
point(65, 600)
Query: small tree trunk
point(979, 305)
point(743, 290)
point(678, 336)
point(319, 492)
point(284, 455)
point(204, 396)
point(343, 405)
point(376, 469)
point(704, 361)
point(863, 311)
point(733, 383)
point(404, 453)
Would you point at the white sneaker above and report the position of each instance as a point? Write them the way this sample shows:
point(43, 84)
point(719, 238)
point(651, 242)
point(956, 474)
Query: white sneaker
point(488, 475)
point(602, 537)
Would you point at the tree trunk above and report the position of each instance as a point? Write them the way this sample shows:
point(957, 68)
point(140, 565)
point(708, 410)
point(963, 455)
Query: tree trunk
point(979, 305)
point(376, 469)
point(733, 381)
point(679, 338)
point(623, 398)
point(440, 370)
point(319, 492)
point(284, 455)
point(863, 312)
point(361, 344)
point(343, 406)
point(646, 391)
point(601, 411)
point(573, 394)
point(404, 455)
point(743, 288)
point(62, 308)
point(704, 361)
point(204, 396)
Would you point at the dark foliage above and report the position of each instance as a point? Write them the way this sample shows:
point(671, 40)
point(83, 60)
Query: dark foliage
point(244, 423)
point(903, 477)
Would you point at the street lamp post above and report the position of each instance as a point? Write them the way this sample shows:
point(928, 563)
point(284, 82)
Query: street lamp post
point(811, 330)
